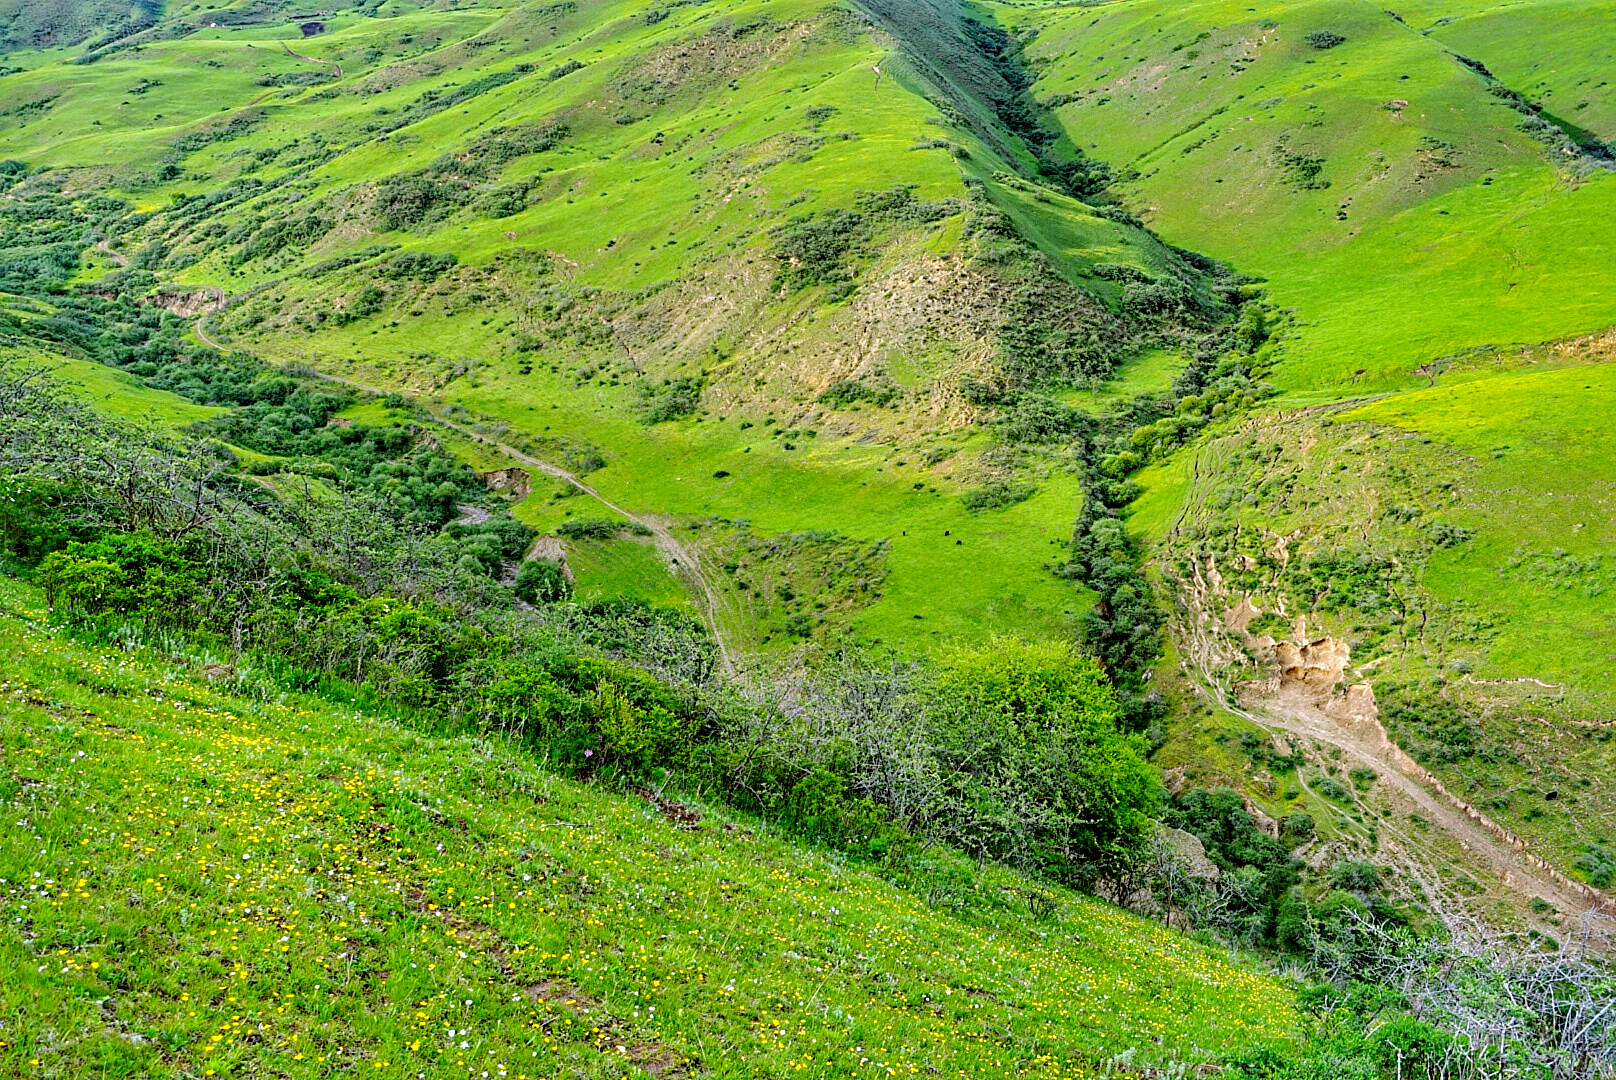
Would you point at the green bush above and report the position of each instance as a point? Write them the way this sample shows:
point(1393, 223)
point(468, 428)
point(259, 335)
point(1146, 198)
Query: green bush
point(1034, 767)
point(409, 201)
point(672, 399)
point(592, 528)
point(586, 716)
point(814, 250)
point(1331, 788)
point(417, 265)
point(1033, 418)
point(845, 392)
point(1355, 876)
point(541, 581)
point(998, 495)
point(1598, 865)
point(123, 573)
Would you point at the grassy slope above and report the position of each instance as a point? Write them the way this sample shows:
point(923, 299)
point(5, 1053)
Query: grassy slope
point(216, 885)
point(1557, 52)
point(1429, 261)
point(118, 393)
point(1400, 259)
point(1541, 482)
point(613, 198)
point(1518, 457)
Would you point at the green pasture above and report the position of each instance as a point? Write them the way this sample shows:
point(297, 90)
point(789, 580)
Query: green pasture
point(984, 577)
point(1537, 492)
point(621, 569)
point(1442, 225)
point(119, 394)
point(234, 885)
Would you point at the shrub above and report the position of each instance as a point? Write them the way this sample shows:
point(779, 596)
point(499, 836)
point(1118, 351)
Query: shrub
point(1324, 39)
point(1355, 875)
point(416, 265)
point(898, 203)
point(504, 202)
point(1120, 272)
point(1056, 333)
point(370, 300)
point(1444, 535)
point(297, 233)
point(1034, 766)
point(591, 528)
point(813, 250)
point(818, 114)
point(123, 573)
point(1298, 827)
point(998, 495)
point(405, 202)
point(1034, 418)
point(590, 715)
point(1331, 788)
point(846, 392)
point(1598, 865)
point(1299, 169)
point(670, 400)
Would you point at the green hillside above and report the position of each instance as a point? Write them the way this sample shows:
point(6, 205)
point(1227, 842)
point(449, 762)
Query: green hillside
point(611, 186)
point(219, 884)
point(788, 358)
point(1382, 187)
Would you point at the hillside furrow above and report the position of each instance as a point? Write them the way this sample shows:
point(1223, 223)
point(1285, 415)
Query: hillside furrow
point(1294, 713)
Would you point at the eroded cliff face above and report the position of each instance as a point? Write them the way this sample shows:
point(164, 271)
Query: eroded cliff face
point(1305, 691)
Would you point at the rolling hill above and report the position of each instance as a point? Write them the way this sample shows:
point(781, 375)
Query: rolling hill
point(1263, 348)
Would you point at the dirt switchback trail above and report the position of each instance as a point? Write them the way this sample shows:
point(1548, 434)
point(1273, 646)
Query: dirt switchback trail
point(685, 561)
point(1350, 725)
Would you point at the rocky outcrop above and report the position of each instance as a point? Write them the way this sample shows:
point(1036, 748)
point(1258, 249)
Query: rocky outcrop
point(1190, 853)
point(516, 482)
point(189, 304)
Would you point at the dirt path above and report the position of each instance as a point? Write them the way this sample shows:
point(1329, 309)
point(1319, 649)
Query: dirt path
point(200, 325)
point(336, 69)
point(685, 561)
point(202, 332)
point(1294, 714)
point(105, 247)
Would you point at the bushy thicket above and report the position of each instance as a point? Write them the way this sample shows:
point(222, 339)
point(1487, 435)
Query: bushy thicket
point(670, 399)
point(272, 412)
point(1012, 753)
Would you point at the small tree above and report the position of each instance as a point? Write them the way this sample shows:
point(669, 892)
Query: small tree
point(1038, 771)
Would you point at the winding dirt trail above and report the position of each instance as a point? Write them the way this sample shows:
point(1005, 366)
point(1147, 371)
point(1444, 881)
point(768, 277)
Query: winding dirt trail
point(685, 561)
point(202, 332)
point(105, 247)
point(336, 69)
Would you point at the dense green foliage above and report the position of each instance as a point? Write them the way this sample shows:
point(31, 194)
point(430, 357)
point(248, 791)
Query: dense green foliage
point(1024, 759)
point(540, 581)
